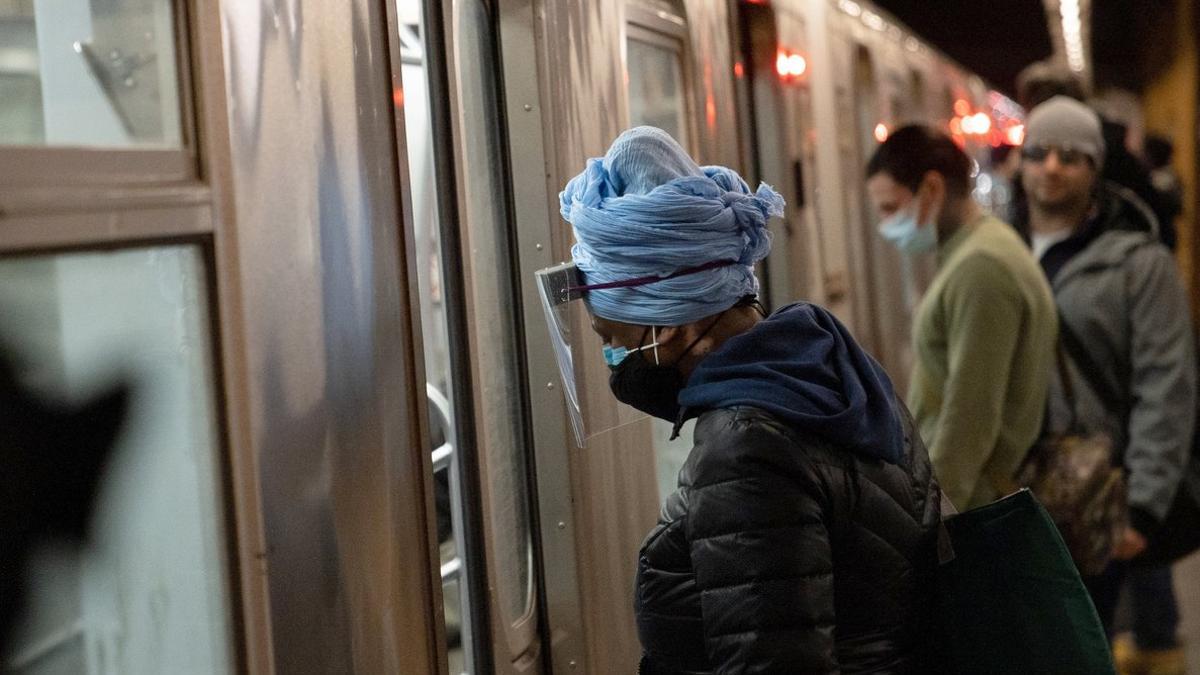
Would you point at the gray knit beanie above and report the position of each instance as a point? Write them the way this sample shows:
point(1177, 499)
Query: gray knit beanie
point(1066, 123)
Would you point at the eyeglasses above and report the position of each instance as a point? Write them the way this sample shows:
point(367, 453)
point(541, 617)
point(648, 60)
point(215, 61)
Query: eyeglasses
point(1066, 154)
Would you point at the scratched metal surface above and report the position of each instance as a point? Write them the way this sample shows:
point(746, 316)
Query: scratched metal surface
point(328, 338)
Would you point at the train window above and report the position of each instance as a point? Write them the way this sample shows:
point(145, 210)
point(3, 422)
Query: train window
point(655, 68)
point(656, 91)
point(100, 73)
point(150, 592)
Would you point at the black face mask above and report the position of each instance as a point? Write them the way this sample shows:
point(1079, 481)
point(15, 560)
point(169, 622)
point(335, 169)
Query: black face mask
point(653, 389)
point(649, 387)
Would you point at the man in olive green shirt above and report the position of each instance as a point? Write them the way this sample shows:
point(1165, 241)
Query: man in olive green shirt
point(985, 331)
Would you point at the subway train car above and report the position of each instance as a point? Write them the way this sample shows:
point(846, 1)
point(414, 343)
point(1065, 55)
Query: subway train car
point(306, 233)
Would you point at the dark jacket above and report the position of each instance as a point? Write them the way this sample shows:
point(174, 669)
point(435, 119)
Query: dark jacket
point(1126, 170)
point(800, 540)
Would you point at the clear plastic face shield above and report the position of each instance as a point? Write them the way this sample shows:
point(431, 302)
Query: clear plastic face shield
point(581, 356)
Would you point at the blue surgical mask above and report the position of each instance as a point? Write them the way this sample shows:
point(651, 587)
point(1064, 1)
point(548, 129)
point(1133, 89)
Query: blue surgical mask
point(613, 356)
point(906, 234)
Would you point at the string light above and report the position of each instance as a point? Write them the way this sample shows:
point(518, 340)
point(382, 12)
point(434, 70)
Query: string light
point(1072, 30)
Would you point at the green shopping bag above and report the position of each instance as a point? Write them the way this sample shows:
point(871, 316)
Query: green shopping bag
point(1009, 599)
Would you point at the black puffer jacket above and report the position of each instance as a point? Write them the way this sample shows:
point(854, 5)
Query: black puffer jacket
point(780, 553)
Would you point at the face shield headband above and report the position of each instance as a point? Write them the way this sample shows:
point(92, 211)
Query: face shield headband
point(590, 405)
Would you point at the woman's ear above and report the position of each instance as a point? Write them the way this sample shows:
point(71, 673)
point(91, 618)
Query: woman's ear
point(667, 335)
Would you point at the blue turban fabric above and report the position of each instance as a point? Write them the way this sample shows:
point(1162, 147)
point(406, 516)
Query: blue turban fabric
point(647, 209)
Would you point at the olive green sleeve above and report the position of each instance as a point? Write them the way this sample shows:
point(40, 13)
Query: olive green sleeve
point(983, 311)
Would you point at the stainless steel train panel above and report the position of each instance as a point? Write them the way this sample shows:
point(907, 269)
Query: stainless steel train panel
point(330, 342)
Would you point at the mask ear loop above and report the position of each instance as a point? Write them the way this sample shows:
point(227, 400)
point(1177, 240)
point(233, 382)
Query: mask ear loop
point(699, 338)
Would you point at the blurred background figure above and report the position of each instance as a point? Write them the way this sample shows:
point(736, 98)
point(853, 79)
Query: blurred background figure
point(1159, 152)
point(1040, 82)
point(53, 456)
point(1126, 331)
point(1006, 170)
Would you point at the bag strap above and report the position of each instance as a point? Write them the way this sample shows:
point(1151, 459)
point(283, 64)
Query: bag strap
point(1004, 485)
point(1074, 348)
point(1068, 385)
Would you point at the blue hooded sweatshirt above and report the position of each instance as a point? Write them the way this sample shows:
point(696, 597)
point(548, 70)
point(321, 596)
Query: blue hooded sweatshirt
point(801, 365)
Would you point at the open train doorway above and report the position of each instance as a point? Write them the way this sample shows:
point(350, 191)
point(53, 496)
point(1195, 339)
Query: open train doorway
point(472, 360)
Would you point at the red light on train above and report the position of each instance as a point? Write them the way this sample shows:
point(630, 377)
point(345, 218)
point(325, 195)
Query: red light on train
point(739, 71)
point(978, 124)
point(799, 65)
point(790, 65)
point(962, 108)
point(881, 132)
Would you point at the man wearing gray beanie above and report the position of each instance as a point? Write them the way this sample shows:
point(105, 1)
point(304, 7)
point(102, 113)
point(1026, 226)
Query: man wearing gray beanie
point(1125, 326)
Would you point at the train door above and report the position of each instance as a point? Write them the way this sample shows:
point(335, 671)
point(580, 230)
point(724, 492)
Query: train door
point(200, 200)
point(473, 361)
point(809, 258)
point(780, 120)
point(889, 274)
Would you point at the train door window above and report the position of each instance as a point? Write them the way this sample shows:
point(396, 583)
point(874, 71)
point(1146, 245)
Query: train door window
point(149, 594)
point(95, 74)
point(472, 346)
point(656, 71)
point(93, 93)
point(89, 73)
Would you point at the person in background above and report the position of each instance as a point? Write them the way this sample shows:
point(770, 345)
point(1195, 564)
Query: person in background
point(985, 331)
point(1041, 81)
point(802, 536)
point(1124, 309)
point(1006, 163)
point(1159, 151)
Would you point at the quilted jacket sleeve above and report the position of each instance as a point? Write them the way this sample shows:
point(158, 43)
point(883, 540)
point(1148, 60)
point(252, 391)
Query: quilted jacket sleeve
point(761, 554)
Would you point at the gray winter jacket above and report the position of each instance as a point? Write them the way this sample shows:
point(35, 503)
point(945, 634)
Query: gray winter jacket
point(1122, 297)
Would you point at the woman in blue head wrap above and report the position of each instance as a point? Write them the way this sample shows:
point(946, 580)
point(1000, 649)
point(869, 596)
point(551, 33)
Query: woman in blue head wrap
point(806, 474)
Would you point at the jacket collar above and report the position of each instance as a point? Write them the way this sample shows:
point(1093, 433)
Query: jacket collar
point(1120, 225)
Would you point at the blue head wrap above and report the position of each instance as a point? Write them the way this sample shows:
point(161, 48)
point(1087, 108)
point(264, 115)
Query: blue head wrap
point(646, 209)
